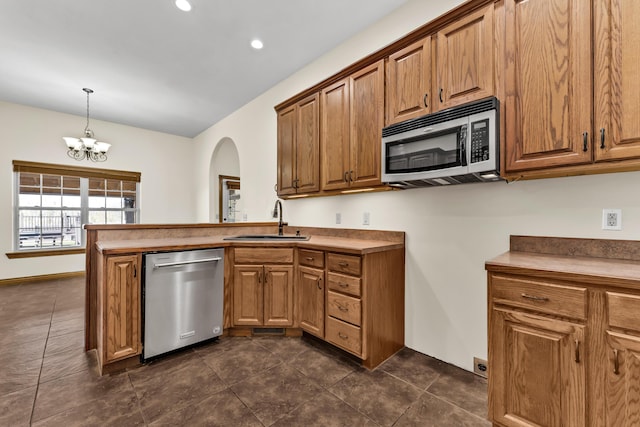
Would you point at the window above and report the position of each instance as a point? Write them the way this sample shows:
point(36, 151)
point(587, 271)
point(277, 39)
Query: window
point(52, 202)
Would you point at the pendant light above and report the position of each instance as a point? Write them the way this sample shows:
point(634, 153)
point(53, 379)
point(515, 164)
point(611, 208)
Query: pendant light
point(86, 147)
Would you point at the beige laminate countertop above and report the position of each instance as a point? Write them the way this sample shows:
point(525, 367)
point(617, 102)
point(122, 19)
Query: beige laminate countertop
point(341, 244)
point(603, 263)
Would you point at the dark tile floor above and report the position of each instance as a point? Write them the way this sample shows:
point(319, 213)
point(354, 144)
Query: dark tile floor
point(46, 378)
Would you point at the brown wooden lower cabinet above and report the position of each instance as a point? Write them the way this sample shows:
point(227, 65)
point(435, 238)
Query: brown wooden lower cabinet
point(311, 291)
point(364, 311)
point(539, 355)
point(119, 318)
point(359, 307)
point(563, 352)
point(263, 293)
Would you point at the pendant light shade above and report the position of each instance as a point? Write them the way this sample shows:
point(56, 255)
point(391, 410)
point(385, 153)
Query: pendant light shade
point(86, 147)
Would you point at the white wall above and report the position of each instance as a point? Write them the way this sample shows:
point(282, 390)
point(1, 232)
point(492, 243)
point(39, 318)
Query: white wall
point(451, 231)
point(32, 134)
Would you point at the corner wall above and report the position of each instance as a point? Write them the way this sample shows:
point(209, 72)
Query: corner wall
point(451, 231)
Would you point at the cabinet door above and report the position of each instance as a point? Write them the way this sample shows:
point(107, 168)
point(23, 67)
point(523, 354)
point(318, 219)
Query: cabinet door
point(617, 87)
point(622, 392)
point(311, 300)
point(278, 295)
point(248, 295)
point(547, 83)
point(122, 315)
point(286, 150)
point(307, 147)
point(538, 371)
point(335, 136)
point(465, 54)
point(409, 82)
point(367, 120)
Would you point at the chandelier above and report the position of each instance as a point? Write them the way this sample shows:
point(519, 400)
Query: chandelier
point(86, 147)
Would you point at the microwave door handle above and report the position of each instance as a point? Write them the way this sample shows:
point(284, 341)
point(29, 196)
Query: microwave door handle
point(463, 146)
point(463, 154)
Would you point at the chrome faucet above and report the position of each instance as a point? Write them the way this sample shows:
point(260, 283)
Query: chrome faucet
point(278, 213)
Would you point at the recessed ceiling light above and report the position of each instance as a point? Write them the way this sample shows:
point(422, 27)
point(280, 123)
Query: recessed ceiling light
point(256, 44)
point(183, 5)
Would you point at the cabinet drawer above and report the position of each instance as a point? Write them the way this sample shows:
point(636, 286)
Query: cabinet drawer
point(344, 335)
point(623, 311)
point(344, 263)
point(263, 255)
point(344, 307)
point(541, 296)
point(345, 284)
point(311, 258)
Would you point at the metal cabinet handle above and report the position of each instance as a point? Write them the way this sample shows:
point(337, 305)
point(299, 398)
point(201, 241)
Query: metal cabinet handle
point(342, 308)
point(441, 95)
point(309, 258)
point(343, 336)
point(350, 176)
point(602, 138)
point(616, 362)
point(424, 100)
point(585, 141)
point(577, 358)
point(346, 176)
point(343, 285)
point(193, 261)
point(135, 270)
point(343, 264)
point(318, 283)
point(534, 298)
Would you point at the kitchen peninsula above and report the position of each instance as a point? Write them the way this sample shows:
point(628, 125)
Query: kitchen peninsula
point(343, 286)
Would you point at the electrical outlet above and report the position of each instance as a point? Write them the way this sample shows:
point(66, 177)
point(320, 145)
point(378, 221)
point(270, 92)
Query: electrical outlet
point(338, 218)
point(480, 367)
point(612, 219)
point(365, 218)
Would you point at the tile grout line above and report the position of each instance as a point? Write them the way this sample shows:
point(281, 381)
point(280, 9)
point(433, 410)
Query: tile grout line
point(426, 390)
point(139, 404)
point(245, 405)
point(44, 350)
point(347, 403)
point(453, 404)
point(227, 386)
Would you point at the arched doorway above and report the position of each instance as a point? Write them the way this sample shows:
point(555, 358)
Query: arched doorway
point(223, 171)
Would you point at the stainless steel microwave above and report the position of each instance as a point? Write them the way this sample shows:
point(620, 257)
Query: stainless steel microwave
point(454, 146)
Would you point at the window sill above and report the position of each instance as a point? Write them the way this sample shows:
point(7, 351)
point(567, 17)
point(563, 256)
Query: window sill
point(44, 252)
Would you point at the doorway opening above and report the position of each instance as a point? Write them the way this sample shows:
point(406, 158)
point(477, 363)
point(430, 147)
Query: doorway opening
point(229, 198)
point(225, 164)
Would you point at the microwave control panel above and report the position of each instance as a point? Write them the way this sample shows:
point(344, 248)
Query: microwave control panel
point(480, 141)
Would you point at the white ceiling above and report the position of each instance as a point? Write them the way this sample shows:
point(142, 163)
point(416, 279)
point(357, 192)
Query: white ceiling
point(156, 67)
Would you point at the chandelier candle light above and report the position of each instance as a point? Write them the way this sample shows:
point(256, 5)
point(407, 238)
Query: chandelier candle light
point(87, 147)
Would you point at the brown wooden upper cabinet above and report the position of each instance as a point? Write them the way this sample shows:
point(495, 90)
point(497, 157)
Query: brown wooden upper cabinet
point(463, 64)
point(299, 147)
point(549, 75)
point(351, 129)
point(409, 82)
point(465, 59)
point(547, 83)
point(617, 82)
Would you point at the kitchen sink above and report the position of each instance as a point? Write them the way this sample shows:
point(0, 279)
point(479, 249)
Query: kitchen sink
point(266, 237)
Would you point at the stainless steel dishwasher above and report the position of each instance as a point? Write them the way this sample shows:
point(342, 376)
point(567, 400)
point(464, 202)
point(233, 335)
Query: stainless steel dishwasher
point(183, 294)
